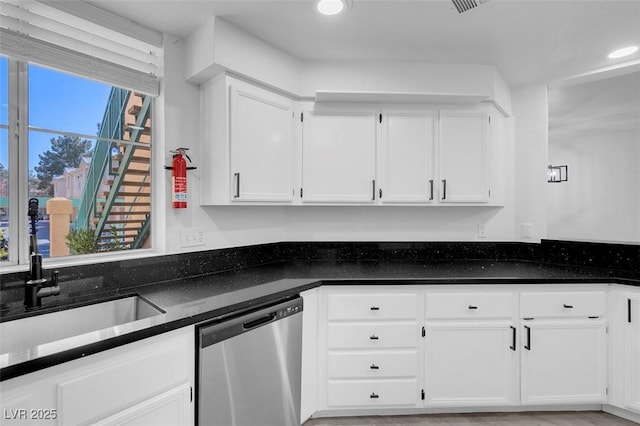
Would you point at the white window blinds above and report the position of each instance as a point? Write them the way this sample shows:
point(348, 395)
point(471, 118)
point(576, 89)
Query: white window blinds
point(80, 38)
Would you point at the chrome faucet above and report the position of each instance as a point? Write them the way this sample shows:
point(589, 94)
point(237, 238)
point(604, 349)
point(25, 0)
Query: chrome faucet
point(36, 287)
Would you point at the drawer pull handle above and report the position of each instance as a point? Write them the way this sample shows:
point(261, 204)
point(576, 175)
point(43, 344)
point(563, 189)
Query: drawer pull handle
point(513, 338)
point(373, 337)
point(375, 308)
point(237, 179)
point(528, 345)
point(374, 367)
point(473, 307)
point(374, 395)
point(567, 306)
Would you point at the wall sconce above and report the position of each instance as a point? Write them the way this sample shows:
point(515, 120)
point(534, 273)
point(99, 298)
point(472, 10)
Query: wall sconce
point(557, 174)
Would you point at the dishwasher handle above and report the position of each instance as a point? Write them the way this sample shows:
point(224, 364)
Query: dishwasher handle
point(219, 330)
point(258, 322)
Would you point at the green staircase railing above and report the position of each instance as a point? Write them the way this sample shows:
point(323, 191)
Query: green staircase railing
point(112, 127)
point(119, 177)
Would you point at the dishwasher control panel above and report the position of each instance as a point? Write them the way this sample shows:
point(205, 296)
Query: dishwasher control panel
point(290, 310)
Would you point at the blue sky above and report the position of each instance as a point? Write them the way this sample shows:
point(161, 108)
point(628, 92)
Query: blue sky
point(57, 101)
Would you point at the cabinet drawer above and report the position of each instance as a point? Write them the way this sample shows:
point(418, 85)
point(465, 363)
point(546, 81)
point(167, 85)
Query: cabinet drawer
point(373, 364)
point(469, 305)
point(372, 335)
point(372, 306)
point(372, 393)
point(563, 304)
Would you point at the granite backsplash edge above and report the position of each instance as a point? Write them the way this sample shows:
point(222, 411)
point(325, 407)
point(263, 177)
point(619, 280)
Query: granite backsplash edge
point(611, 260)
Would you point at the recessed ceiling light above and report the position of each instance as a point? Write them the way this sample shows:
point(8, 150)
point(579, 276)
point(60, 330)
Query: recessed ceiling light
point(330, 7)
point(625, 51)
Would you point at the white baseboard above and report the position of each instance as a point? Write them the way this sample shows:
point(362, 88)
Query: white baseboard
point(417, 411)
point(621, 412)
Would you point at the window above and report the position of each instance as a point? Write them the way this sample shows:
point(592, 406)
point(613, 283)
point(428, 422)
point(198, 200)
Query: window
point(4, 159)
point(71, 137)
point(76, 123)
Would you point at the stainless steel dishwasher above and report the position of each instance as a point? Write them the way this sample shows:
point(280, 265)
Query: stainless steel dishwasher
point(249, 368)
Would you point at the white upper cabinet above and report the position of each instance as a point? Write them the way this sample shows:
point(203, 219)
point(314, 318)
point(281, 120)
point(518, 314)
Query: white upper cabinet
point(464, 157)
point(261, 147)
point(261, 138)
point(407, 145)
point(248, 144)
point(338, 157)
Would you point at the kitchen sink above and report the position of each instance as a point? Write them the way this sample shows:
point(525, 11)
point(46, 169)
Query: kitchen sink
point(23, 333)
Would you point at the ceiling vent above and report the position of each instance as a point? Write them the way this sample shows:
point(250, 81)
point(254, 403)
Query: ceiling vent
point(464, 5)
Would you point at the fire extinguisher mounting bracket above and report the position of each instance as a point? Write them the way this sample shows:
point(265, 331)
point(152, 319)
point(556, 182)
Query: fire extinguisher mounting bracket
point(188, 168)
point(180, 151)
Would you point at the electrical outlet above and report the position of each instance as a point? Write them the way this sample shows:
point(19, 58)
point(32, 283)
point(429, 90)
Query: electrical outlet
point(192, 237)
point(526, 230)
point(481, 231)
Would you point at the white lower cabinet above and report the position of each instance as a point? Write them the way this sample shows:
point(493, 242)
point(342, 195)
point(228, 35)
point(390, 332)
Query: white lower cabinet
point(500, 346)
point(142, 383)
point(470, 364)
point(632, 353)
point(169, 408)
point(372, 364)
point(564, 361)
point(471, 358)
point(372, 393)
point(369, 344)
point(563, 347)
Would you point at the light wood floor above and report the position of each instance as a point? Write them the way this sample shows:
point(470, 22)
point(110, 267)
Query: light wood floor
point(564, 418)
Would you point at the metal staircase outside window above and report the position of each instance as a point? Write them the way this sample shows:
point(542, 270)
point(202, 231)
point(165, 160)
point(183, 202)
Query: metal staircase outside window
point(116, 201)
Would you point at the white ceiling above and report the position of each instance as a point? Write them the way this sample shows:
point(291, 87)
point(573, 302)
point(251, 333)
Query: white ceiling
point(597, 108)
point(528, 40)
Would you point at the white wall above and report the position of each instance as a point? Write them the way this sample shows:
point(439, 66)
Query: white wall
point(601, 199)
point(530, 111)
point(594, 128)
point(179, 103)
point(396, 223)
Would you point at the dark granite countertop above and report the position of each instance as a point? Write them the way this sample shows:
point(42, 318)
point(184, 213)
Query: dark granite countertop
point(197, 299)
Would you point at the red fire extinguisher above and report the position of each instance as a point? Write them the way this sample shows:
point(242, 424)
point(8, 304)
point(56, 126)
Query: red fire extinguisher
point(179, 178)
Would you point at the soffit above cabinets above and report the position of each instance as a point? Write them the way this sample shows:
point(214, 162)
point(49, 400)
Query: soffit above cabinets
point(398, 97)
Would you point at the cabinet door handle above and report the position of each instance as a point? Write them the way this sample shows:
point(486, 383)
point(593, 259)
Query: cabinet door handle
point(373, 195)
point(513, 338)
point(374, 367)
point(375, 308)
point(374, 395)
point(629, 310)
point(373, 337)
point(528, 345)
point(430, 189)
point(236, 177)
point(444, 189)
point(473, 307)
point(567, 306)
